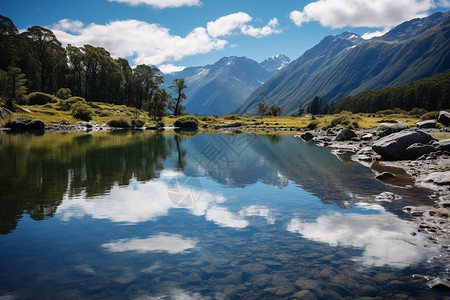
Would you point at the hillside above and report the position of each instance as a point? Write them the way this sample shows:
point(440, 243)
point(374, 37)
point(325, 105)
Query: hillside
point(346, 64)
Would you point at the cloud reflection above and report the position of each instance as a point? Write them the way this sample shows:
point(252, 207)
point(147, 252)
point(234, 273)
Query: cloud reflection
point(384, 238)
point(164, 242)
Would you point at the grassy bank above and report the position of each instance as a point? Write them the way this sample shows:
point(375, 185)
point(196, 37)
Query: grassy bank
point(102, 113)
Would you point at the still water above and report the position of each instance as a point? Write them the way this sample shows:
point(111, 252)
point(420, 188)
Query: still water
point(144, 215)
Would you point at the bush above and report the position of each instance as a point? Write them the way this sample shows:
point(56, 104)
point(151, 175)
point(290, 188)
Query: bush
point(432, 115)
point(313, 125)
point(39, 98)
point(186, 122)
point(64, 93)
point(67, 104)
point(231, 117)
point(82, 111)
point(137, 123)
point(417, 111)
point(119, 123)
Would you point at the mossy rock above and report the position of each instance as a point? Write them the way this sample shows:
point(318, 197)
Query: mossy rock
point(186, 122)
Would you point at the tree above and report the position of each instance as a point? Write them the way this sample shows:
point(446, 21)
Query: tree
point(178, 86)
point(8, 41)
point(262, 108)
point(300, 111)
point(275, 110)
point(156, 107)
point(12, 86)
point(149, 80)
point(315, 106)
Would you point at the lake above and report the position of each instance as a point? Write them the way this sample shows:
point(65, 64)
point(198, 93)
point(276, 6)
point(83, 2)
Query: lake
point(181, 215)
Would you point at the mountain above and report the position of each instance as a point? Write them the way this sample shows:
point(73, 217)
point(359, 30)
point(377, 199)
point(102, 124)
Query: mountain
point(346, 64)
point(275, 63)
point(221, 87)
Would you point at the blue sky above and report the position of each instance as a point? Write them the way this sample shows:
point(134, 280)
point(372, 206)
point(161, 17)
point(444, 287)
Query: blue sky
point(183, 33)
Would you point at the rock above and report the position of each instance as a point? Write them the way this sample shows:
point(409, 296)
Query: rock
point(367, 137)
point(307, 284)
point(387, 197)
point(26, 123)
point(439, 284)
point(427, 124)
point(393, 146)
point(366, 154)
point(4, 113)
point(345, 134)
point(385, 176)
point(416, 150)
point(386, 129)
point(438, 178)
point(186, 122)
point(307, 136)
point(444, 118)
point(443, 145)
point(304, 295)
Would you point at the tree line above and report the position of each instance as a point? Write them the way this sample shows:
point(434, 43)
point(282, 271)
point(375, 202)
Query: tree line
point(36, 61)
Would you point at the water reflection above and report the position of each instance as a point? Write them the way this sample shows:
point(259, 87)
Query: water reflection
point(170, 243)
point(384, 238)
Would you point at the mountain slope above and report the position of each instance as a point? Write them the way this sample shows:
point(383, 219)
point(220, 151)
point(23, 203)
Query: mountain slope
point(345, 65)
point(221, 87)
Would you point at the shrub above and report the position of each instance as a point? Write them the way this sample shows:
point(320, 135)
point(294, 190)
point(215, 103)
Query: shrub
point(313, 125)
point(432, 115)
point(119, 123)
point(186, 122)
point(63, 93)
point(67, 104)
point(93, 105)
point(137, 123)
point(231, 117)
point(417, 111)
point(82, 111)
point(39, 98)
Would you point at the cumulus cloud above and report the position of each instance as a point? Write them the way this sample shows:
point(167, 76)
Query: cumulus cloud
point(267, 30)
point(227, 24)
point(160, 4)
point(153, 44)
point(371, 34)
point(170, 68)
point(364, 13)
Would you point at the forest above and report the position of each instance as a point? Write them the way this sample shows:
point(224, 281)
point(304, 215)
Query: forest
point(36, 61)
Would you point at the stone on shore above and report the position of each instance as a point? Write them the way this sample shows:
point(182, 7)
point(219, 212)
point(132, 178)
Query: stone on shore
point(417, 150)
point(4, 113)
point(439, 178)
point(385, 129)
point(427, 124)
point(393, 147)
point(444, 118)
point(443, 145)
point(307, 136)
point(26, 123)
point(345, 134)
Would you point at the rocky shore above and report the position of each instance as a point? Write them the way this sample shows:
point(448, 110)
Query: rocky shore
point(423, 158)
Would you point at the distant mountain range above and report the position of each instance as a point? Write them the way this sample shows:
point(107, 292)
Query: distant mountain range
point(347, 64)
point(221, 87)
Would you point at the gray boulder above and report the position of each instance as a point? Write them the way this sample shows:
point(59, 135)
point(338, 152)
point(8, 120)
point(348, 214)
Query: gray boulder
point(444, 118)
point(345, 134)
point(26, 123)
point(307, 136)
point(417, 150)
point(385, 129)
point(393, 146)
point(427, 124)
point(4, 113)
point(443, 145)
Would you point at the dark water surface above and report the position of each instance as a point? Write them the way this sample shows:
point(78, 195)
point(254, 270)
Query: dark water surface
point(142, 215)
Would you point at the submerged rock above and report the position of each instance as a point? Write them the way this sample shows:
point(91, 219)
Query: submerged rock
point(386, 129)
point(439, 284)
point(387, 197)
point(385, 176)
point(393, 147)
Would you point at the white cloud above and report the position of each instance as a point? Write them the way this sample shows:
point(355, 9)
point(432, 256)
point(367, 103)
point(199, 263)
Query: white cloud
point(170, 68)
point(385, 239)
point(160, 4)
point(369, 35)
point(267, 30)
point(153, 44)
point(227, 24)
point(223, 217)
point(171, 243)
point(258, 211)
point(364, 13)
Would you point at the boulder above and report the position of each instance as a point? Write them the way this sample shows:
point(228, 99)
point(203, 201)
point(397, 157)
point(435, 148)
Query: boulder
point(444, 118)
point(307, 136)
point(427, 124)
point(443, 145)
point(438, 178)
point(386, 129)
point(385, 176)
point(26, 123)
point(186, 122)
point(393, 146)
point(4, 113)
point(345, 134)
point(417, 150)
